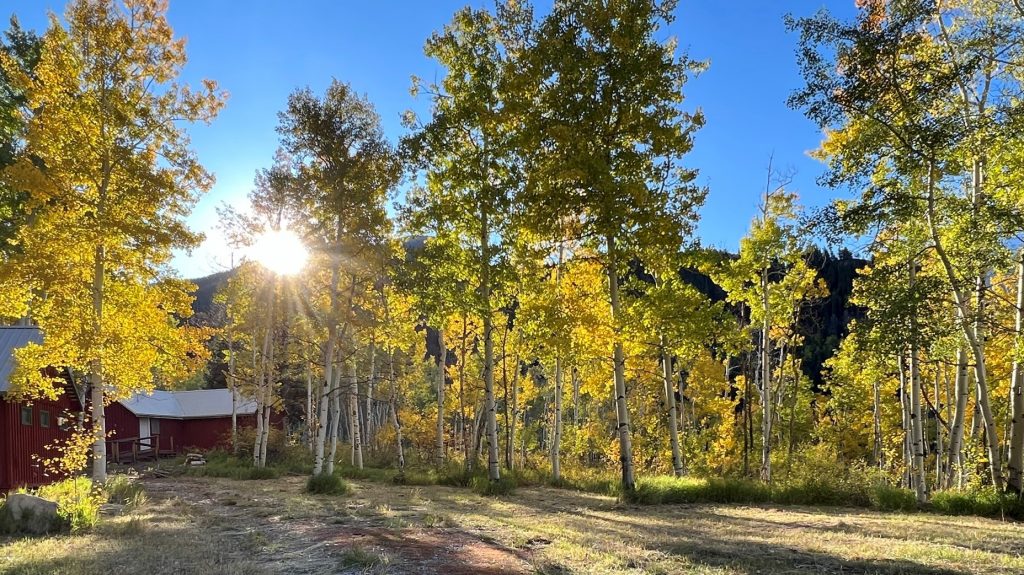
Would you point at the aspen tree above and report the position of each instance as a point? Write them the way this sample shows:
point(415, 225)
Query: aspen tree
point(607, 136)
point(346, 169)
point(103, 115)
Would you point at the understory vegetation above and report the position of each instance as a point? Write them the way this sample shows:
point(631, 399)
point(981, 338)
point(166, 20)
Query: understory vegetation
point(79, 501)
point(808, 485)
point(228, 527)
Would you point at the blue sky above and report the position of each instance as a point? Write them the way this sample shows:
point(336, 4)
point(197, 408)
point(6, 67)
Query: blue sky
point(259, 51)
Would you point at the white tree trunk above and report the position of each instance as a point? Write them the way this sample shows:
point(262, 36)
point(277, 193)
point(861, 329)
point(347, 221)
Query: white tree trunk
point(556, 427)
point(940, 451)
point(877, 425)
point(99, 419)
point(310, 416)
point(956, 433)
point(575, 398)
point(265, 381)
point(258, 440)
point(621, 407)
point(490, 412)
point(99, 425)
point(394, 411)
point(441, 371)
point(353, 402)
point(515, 416)
point(268, 405)
point(917, 431)
point(670, 406)
point(479, 429)
point(268, 391)
point(334, 425)
point(1016, 451)
point(972, 335)
point(767, 401)
point(323, 407)
point(908, 452)
point(370, 384)
point(556, 424)
point(233, 388)
point(324, 401)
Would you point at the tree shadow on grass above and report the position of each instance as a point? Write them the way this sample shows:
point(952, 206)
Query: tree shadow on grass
point(451, 551)
point(756, 557)
point(116, 551)
point(693, 534)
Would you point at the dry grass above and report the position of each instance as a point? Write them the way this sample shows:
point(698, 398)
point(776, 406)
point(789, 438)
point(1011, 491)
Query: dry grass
point(162, 537)
point(221, 526)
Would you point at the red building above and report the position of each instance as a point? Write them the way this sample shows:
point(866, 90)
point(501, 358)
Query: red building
point(180, 420)
point(29, 428)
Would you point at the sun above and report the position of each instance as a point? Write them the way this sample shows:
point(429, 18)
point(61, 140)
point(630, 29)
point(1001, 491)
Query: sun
point(280, 251)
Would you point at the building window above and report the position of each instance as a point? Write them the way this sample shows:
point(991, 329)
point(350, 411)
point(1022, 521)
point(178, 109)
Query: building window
point(44, 418)
point(154, 426)
point(26, 415)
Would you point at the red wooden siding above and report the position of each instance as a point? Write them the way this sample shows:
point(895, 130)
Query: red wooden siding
point(20, 443)
point(172, 433)
point(121, 423)
point(200, 433)
point(211, 432)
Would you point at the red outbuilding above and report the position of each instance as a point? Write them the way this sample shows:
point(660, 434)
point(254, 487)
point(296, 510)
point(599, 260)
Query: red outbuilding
point(177, 420)
point(28, 429)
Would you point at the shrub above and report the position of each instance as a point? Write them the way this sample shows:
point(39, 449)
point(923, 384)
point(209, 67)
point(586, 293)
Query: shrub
point(822, 491)
point(366, 473)
point(529, 477)
point(415, 477)
point(454, 475)
point(259, 473)
point(722, 490)
point(364, 560)
point(589, 481)
point(220, 464)
point(124, 490)
point(484, 486)
point(277, 443)
point(326, 484)
point(282, 454)
point(885, 497)
point(984, 501)
point(667, 489)
point(78, 504)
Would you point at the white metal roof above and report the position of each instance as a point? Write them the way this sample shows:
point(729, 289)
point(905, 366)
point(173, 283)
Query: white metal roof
point(12, 338)
point(187, 404)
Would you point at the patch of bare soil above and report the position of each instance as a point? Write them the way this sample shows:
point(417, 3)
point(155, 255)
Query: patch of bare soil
point(295, 533)
point(448, 551)
point(274, 527)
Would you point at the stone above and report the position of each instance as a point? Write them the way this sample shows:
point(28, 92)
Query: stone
point(111, 509)
point(31, 514)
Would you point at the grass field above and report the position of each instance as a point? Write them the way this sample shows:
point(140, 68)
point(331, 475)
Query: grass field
point(222, 526)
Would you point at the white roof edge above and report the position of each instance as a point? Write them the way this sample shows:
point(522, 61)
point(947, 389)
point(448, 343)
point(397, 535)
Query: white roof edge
point(191, 404)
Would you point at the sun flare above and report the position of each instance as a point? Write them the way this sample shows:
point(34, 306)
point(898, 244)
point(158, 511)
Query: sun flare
point(280, 251)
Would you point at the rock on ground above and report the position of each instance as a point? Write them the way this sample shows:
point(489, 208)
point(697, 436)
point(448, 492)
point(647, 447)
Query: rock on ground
point(31, 514)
